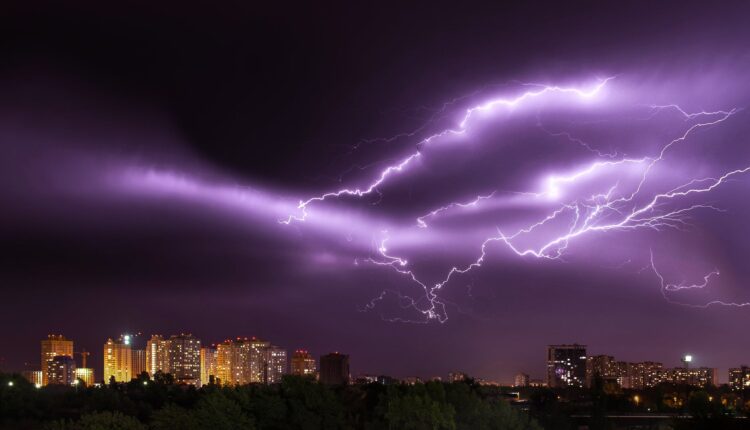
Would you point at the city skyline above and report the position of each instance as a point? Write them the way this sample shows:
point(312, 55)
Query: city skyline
point(428, 190)
point(295, 361)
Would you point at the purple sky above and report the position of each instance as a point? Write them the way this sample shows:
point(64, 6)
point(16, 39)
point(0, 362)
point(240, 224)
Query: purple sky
point(582, 172)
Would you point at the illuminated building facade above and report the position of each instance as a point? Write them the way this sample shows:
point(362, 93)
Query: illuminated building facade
point(54, 346)
point(275, 364)
point(224, 373)
point(566, 366)
point(602, 366)
point(739, 378)
point(303, 363)
point(138, 362)
point(248, 361)
point(334, 369)
point(258, 359)
point(209, 365)
point(156, 355)
point(642, 375)
point(33, 376)
point(86, 374)
point(521, 380)
point(61, 370)
point(184, 354)
point(697, 376)
point(118, 360)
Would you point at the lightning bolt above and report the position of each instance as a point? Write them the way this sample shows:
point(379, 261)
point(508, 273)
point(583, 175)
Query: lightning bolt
point(609, 211)
point(666, 287)
point(462, 128)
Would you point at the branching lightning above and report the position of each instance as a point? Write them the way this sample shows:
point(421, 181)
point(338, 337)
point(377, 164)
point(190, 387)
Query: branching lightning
point(618, 207)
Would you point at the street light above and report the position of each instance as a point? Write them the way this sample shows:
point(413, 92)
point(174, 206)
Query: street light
point(10, 383)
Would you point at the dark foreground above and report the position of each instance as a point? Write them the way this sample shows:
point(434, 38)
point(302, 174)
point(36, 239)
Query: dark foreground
point(300, 403)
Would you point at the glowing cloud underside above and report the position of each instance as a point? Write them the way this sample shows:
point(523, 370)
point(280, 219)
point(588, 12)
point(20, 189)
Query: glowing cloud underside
point(617, 206)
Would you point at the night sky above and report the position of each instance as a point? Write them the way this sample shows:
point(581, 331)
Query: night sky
point(241, 169)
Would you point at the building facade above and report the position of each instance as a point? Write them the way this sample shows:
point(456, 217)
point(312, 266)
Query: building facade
point(61, 370)
point(696, 376)
point(117, 360)
point(334, 369)
point(184, 355)
point(275, 364)
point(86, 374)
point(303, 363)
point(739, 378)
point(138, 362)
point(156, 355)
point(566, 366)
point(54, 346)
point(521, 380)
point(33, 376)
point(209, 368)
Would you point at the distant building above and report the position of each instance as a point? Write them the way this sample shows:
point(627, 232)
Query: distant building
point(566, 366)
point(184, 356)
point(334, 369)
point(246, 361)
point(537, 383)
point(208, 365)
point(642, 375)
point(412, 380)
point(601, 366)
point(275, 364)
point(86, 374)
point(117, 360)
point(138, 362)
point(386, 380)
point(457, 376)
point(224, 360)
point(61, 370)
point(33, 376)
point(303, 363)
point(366, 379)
point(739, 378)
point(54, 346)
point(521, 380)
point(156, 355)
point(696, 376)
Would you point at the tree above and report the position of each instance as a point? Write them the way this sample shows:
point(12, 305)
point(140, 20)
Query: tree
point(217, 412)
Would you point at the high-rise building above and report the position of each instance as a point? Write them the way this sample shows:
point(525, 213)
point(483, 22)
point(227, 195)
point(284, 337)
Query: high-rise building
point(521, 380)
point(696, 376)
point(258, 359)
point(275, 364)
point(739, 378)
point(334, 369)
point(86, 374)
point(118, 360)
point(61, 370)
point(184, 354)
point(303, 363)
point(566, 366)
point(209, 365)
point(224, 371)
point(601, 366)
point(138, 364)
point(33, 376)
point(53, 346)
point(641, 375)
point(156, 355)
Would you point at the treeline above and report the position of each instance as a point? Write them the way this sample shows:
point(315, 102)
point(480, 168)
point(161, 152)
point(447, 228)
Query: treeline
point(296, 403)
